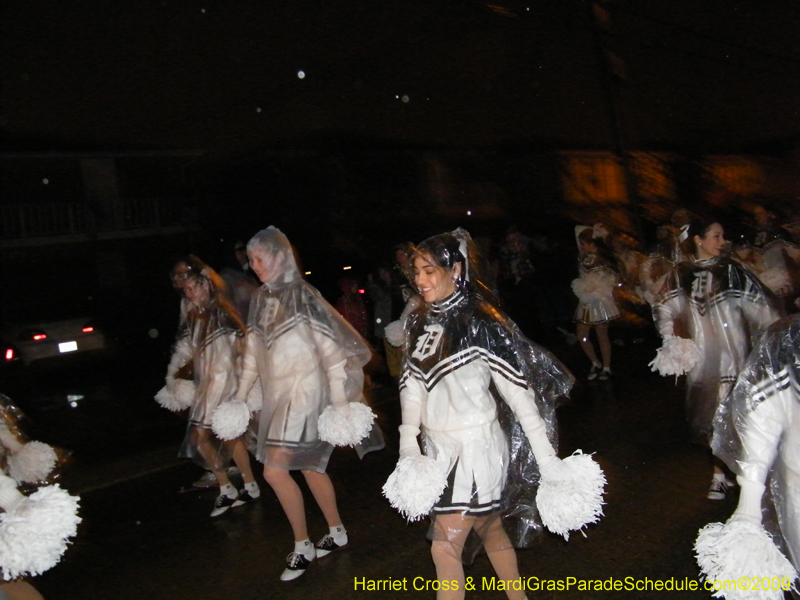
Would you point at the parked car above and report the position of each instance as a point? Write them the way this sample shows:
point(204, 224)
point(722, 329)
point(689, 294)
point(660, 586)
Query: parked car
point(49, 334)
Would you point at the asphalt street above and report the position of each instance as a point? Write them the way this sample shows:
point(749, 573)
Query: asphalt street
point(147, 534)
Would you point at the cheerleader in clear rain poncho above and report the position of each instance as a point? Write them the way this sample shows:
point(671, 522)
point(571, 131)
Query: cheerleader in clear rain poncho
point(483, 397)
point(34, 527)
point(709, 313)
point(305, 362)
point(595, 291)
point(757, 434)
point(202, 374)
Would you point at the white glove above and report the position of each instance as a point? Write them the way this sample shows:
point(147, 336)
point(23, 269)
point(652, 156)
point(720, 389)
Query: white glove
point(409, 446)
point(336, 380)
point(550, 466)
point(666, 328)
point(9, 440)
point(749, 507)
point(10, 496)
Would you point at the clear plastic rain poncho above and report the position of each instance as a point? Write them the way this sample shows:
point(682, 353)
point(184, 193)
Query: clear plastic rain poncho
point(24, 460)
point(757, 430)
point(722, 307)
point(210, 336)
point(11, 436)
point(305, 356)
point(469, 378)
point(35, 527)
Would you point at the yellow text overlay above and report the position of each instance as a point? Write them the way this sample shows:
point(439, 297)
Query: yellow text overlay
point(536, 584)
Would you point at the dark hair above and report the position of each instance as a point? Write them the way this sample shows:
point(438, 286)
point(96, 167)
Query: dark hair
point(194, 267)
point(444, 250)
point(697, 227)
point(587, 237)
point(447, 250)
point(218, 289)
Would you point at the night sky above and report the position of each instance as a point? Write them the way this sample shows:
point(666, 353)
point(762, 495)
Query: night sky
point(226, 76)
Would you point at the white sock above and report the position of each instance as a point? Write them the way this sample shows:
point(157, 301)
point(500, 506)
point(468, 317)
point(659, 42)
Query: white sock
point(306, 548)
point(228, 490)
point(339, 534)
point(251, 486)
point(719, 476)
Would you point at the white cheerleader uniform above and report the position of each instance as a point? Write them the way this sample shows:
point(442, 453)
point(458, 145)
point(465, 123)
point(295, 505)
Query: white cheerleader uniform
point(595, 291)
point(206, 342)
point(722, 307)
point(306, 357)
point(757, 430)
point(462, 359)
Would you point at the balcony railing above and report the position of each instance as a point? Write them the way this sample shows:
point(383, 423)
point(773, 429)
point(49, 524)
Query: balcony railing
point(18, 221)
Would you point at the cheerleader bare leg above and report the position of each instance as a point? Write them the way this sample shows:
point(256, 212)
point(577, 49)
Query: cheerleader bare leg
point(322, 489)
point(501, 553)
point(605, 345)
point(582, 331)
point(291, 499)
point(19, 590)
point(242, 459)
point(204, 441)
point(450, 534)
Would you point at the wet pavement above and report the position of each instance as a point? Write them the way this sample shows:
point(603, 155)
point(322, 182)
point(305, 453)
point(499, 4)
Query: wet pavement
point(145, 536)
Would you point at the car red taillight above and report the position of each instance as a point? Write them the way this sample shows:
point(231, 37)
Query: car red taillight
point(9, 354)
point(27, 335)
point(87, 329)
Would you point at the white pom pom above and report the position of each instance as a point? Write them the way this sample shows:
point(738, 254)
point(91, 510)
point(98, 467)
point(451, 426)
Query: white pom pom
point(167, 400)
point(395, 333)
point(346, 426)
point(575, 498)
point(33, 534)
point(594, 286)
point(230, 420)
point(415, 485)
point(741, 550)
point(255, 397)
point(34, 462)
point(171, 402)
point(675, 357)
point(184, 391)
